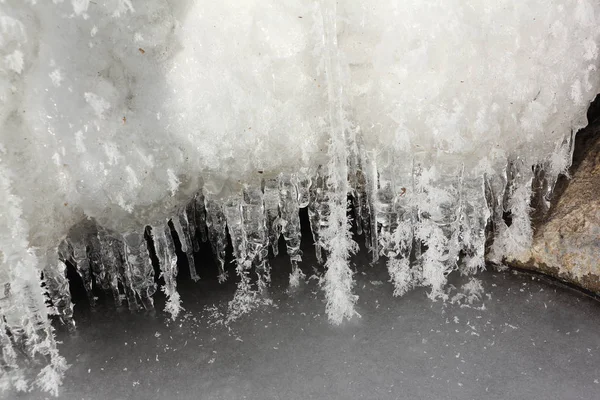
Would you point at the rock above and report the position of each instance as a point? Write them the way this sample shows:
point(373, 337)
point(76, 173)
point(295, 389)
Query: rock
point(566, 243)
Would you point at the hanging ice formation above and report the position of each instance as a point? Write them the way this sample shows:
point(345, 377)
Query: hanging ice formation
point(156, 123)
point(24, 325)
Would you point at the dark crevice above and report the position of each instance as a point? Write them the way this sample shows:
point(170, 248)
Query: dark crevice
point(593, 112)
point(507, 217)
point(584, 141)
point(153, 257)
point(206, 267)
point(76, 288)
point(307, 239)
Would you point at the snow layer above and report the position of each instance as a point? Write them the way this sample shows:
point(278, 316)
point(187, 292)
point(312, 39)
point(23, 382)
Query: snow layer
point(430, 114)
point(114, 109)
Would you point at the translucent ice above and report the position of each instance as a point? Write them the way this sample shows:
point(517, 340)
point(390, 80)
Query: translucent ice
point(165, 252)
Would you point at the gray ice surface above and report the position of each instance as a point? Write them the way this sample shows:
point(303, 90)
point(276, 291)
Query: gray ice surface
point(526, 339)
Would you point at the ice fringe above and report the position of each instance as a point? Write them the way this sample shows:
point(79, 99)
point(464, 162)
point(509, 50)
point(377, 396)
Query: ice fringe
point(167, 258)
point(24, 321)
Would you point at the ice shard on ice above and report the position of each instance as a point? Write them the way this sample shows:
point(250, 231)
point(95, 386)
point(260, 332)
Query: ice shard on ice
point(186, 237)
point(244, 295)
point(256, 236)
point(514, 238)
point(290, 224)
point(272, 210)
point(167, 259)
point(57, 287)
point(138, 269)
point(395, 216)
point(111, 253)
point(317, 211)
point(216, 226)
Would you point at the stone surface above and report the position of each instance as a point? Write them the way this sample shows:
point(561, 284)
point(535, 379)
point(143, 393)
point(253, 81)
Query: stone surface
point(567, 243)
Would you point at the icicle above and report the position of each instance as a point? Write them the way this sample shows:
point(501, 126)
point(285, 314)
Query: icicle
point(386, 214)
point(335, 234)
point(57, 283)
point(195, 212)
point(273, 221)
point(200, 216)
point(243, 298)
point(139, 271)
point(402, 276)
point(358, 194)
point(246, 223)
point(24, 313)
point(77, 242)
point(514, 238)
point(165, 252)
point(473, 221)
point(355, 181)
point(317, 209)
point(540, 188)
point(495, 185)
point(368, 180)
point(417, 195)
point(434, 270)
point(11, 374)
point(394, 215)
point(303, 183)
point(404, 235)
point(216, 229)
point(126, 277)
point(101, 276)
point(437, 226)
point(192, 215)
point(112, 259)
point(180, 233)
point(102, 273)
point(232, 209)
point(453, 221)
point(182, 227)
point(546, 175)
point(290, 222)
point(255, 229)
point(363, 182)
point(57, 287)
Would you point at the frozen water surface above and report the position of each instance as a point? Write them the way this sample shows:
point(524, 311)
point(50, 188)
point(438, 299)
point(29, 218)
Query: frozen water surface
point(522, 338)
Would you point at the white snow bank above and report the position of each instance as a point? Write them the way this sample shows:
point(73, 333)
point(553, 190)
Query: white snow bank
point(114, 109)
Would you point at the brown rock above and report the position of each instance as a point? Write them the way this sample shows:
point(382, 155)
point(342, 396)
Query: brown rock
point(567, 244)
